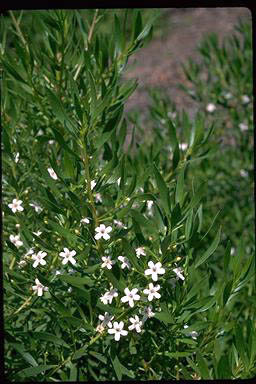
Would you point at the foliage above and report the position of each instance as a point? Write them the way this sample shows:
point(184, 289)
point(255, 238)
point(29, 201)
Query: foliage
point(64, 133)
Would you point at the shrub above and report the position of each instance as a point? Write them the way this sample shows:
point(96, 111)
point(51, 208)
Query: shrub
point(106, 263)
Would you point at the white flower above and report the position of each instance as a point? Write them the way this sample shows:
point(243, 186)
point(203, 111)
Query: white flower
point(108, 296)
point(172, 115)
point(22, 264)
point(52, 173)
point(130, 296)
point(38, 233)
point(36, 207)
point(245, 99)
point(117, 330)
point(136, 324)
point(70, 290)
point(228, 95)
point(232, 251)
point(16, 205)
point(243, 173)
point(243, 127)
point(118, 181)
point(140, 251)
point(183, 146)
point(147, 313)
point(85, 220)
point(210, 107)
point(103, 231)
point(193, 334)
point(154, 270)
point(100, 328)
point(107, 262)
point(39, 288)
point(152, 292)
point(29, 252)
point(58, 273)
point(39, 258)
point(17, 225)
point(119, 224)
point(40, 132)
point(179, 272)
point(125, 262)
point(150, 204)
point(98, 198)
point(16, 240)
point(16, 159)
point(93, 183)
point(106, 319)
point(68, 256)
point(51, 142)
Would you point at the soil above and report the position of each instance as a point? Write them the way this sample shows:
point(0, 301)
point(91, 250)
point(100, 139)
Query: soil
point(159, 64)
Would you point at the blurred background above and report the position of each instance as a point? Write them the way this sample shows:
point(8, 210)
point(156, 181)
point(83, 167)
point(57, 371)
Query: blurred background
point(176, 37)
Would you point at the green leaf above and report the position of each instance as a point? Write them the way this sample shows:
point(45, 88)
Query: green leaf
point(227, 257)
point(227, 291)
point(163, 190)
point(48, 337)
point(77, 281)
point(196, 198)
point(62, 231)
point(240, 345)
point(130, 254)
point(99, 356)
point(71, 320)
point(59, 138)
point(223, 368)
point(118, 36)
point(210, 250)
point(26, 356)
point(49, 181)
point(73, 372)
point(143, 221)
point(60, 112)
point(178, 355)
point(13, 71)
point(137, 25)
point(93, 92)
point(165, 317)
point(203, 367)
point(28, 372)
point(120, 369)
point(189, 225)
point(119, 284)
point(179, 196)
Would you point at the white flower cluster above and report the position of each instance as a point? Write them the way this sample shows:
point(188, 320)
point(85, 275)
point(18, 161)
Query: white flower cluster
point(131, 296)
point(38, 258)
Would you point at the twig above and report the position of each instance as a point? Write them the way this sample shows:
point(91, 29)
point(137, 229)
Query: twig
point(92, 26)
point(19, 30)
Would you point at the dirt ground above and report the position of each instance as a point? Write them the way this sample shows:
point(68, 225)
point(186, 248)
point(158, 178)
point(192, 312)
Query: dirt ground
point(159, 63)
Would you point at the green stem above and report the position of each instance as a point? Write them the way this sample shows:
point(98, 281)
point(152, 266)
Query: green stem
point(88, 179)
point(18, 30)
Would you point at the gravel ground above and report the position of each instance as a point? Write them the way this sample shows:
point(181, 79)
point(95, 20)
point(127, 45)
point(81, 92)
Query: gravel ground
point(159, 63)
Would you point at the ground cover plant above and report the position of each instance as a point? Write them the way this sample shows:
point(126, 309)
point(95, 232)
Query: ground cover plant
point(115, 264)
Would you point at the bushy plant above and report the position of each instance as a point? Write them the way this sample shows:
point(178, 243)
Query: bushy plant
point(107, 266)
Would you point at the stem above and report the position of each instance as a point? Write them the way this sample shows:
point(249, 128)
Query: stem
point(88, 178)
point(19, 30)
point(20, 308)
point(92, 26)
point(90, 34)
